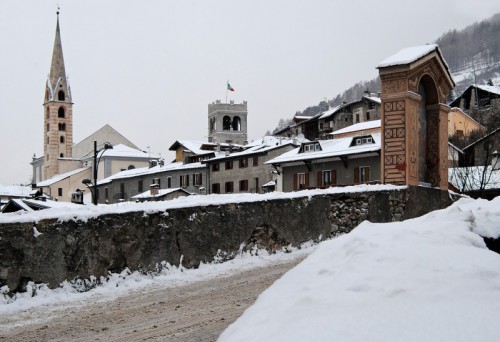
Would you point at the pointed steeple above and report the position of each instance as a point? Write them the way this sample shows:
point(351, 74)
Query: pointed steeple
point(57, 78)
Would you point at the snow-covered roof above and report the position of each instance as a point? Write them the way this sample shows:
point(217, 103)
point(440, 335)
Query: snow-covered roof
point(151, 170)
point(408, 55)
point(269, 143)
point(62, 176)
point(15, 191)
point(329, 148)
point(124, 151)
point(161, 192)
point(490, 89)
point(374, 99)
point(329, 112)
point(359, 127)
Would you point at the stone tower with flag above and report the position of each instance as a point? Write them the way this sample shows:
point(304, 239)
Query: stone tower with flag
point(227, 122)
point(58, 113)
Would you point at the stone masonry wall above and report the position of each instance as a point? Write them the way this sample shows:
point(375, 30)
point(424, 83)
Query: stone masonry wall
point(110, 243)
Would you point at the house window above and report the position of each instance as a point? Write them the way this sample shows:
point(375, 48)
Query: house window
point(257, 185)
point(311, 147)
point(255, 161)
point(184, 180)
point(367, 116)
point(106, 193)
point(357, 117)
point(60, 112)
point(59, 192)
point(327, 178)
point(243, 163)
point(244, 185)
point(229, 187)
point(215, 167)
point(300, 181)
point(169, 182)
point(216, 188)
point(197, 179)
point(229, 165)
point(122, 190)
point(361, 174)
point(139, 186)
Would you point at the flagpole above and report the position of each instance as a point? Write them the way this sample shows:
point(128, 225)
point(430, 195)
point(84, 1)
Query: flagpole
point(226, 89)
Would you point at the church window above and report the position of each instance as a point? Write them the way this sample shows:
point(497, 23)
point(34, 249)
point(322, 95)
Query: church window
point(61, 155)
point(60, 95)
point(48, 127)
point(236, 123)
point(48, 113)
point(226, 123)
point(61, 139)
point(60, 112)
point(62, 127)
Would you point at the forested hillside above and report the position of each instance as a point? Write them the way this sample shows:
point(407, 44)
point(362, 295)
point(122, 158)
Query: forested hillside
point(472, 54)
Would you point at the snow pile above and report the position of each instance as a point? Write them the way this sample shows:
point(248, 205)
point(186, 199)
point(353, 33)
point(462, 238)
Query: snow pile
point(426, 279)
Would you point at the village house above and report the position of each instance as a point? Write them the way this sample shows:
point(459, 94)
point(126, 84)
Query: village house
point(246, 171)
point(352, 158)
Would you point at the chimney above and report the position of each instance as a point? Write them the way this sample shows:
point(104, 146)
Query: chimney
point(154, 189)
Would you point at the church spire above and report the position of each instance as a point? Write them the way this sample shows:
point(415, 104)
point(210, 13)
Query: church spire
point(57, 81)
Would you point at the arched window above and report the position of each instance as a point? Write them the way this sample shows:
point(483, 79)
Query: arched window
point(226, 123)
point(61, 139)
point(236, 123)
point(131, 167)
point(60, 112)
point(60, 95)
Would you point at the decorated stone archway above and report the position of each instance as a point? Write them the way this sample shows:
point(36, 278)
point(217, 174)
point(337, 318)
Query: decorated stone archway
point(415, 83)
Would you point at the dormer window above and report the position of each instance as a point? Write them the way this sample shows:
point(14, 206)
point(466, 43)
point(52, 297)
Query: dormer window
point(368, 139)
point(310, 147)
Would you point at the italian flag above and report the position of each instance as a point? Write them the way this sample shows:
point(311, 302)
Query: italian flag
point(229, 87)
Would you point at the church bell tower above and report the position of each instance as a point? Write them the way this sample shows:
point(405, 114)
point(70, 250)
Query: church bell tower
point(58, 112)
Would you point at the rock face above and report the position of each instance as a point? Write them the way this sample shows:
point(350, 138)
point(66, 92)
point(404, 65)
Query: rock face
point(51, 252)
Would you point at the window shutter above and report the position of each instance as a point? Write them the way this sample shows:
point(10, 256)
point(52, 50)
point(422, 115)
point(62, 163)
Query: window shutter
point(356, 175)
point(367, 173)
point(307, 180)
point(319, 182)
point(334, 177)
point(295, 181)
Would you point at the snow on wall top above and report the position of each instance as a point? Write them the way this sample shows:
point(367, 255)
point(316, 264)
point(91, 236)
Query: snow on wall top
point(408, 55)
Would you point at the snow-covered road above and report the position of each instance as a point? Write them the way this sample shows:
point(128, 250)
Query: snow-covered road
point(196, 311)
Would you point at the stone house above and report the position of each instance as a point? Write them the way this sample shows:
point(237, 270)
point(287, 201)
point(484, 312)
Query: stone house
point(319, 126)
point(123, 186)
point(245, 171)
point(348, 160)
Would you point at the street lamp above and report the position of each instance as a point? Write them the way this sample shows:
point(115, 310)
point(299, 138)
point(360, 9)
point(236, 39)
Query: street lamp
point(88, 182)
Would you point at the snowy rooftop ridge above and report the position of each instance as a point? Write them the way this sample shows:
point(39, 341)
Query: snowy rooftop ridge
point(60, 177)
point(408, 55)
point(359, 127)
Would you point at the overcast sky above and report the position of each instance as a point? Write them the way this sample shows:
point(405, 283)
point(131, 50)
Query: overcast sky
point(150, 68)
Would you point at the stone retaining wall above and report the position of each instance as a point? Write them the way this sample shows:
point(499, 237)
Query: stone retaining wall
point(110, 243)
